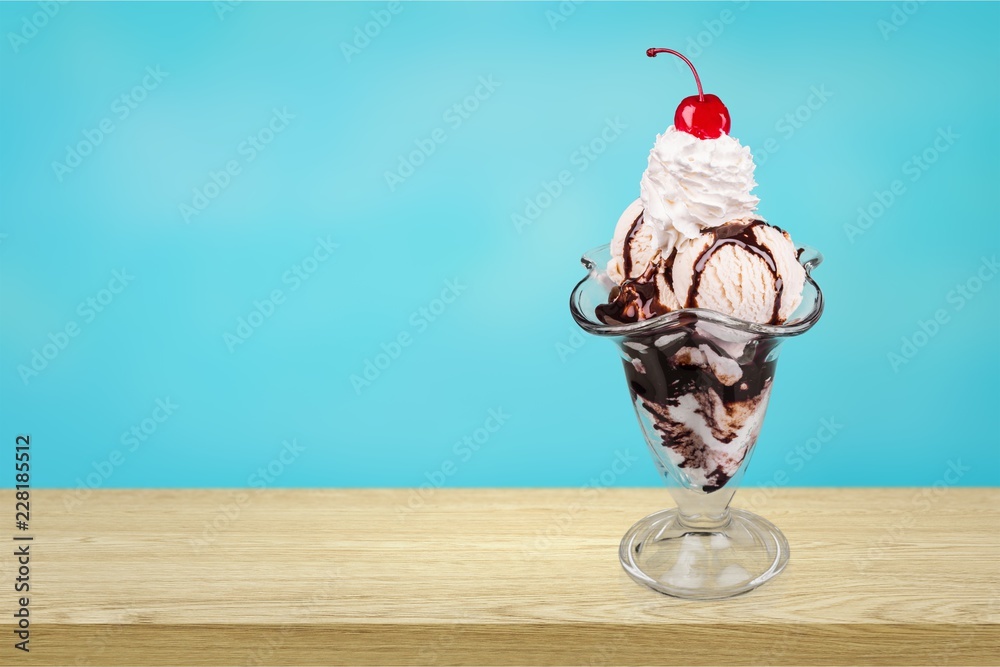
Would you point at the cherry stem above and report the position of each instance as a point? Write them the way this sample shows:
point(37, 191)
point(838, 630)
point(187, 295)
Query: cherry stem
point(652, 54)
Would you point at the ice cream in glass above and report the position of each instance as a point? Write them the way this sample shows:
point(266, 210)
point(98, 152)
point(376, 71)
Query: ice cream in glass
point(698, 291)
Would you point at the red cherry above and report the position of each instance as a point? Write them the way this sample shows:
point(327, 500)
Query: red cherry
point(704, 116)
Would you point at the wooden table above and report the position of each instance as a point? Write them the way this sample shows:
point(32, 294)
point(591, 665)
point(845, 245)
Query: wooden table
point(493, 577)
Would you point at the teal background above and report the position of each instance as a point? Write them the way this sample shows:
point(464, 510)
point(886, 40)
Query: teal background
point(507, 341)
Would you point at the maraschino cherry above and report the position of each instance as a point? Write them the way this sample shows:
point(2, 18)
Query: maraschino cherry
point(704, 116)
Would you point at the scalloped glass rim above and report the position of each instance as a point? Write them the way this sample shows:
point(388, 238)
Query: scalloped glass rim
point(804, 317)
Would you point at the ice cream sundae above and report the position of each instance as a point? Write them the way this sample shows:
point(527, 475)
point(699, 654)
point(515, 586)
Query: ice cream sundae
point(693, 239)
point(698, 291)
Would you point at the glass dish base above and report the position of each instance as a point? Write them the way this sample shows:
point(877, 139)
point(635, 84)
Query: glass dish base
point(696, 562)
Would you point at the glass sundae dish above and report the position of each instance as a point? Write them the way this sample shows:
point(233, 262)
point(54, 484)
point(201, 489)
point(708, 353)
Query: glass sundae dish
point(699, 292)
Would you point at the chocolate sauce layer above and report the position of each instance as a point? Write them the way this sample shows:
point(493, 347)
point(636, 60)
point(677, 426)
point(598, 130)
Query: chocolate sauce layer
point(658, 377)
point(634, 300)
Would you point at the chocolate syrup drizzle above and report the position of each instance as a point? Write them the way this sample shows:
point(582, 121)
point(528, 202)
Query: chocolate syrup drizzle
point(633, 301)
point(638, 299)
point(627, 254)
point(742, 235)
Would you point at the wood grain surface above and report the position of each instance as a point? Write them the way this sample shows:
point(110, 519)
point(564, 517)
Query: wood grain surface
point(493, 577)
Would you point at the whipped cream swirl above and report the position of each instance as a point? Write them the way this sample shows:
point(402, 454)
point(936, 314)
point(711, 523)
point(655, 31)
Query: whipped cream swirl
point(692, 184)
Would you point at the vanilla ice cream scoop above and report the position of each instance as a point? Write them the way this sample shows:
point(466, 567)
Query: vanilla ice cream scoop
point(633, 248)
point(745, 268)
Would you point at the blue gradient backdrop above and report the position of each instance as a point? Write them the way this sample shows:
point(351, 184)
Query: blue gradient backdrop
point(883, 88)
